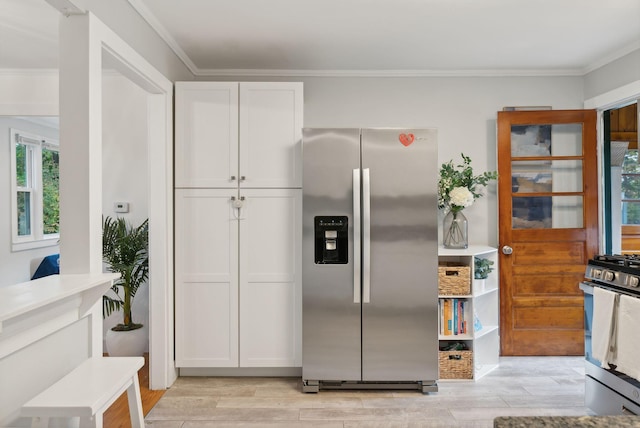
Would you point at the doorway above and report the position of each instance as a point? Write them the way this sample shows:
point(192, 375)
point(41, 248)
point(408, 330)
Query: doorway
point(548, 216)
point(621, 180)
point(86, 47)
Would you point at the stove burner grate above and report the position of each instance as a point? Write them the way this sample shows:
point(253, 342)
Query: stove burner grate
point(624, 260)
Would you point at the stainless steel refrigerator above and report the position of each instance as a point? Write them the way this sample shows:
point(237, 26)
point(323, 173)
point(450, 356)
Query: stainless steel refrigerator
point(370, 262)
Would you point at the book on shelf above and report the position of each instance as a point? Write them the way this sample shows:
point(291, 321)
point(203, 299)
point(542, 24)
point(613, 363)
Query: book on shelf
point(453, 320)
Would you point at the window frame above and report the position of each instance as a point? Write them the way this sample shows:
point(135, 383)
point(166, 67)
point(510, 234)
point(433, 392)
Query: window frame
point(35, 144)
point(628, 228)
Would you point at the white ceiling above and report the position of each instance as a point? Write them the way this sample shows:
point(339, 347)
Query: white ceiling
point(363, 37)
point(28, 34)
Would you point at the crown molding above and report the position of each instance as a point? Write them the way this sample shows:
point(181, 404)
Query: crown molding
point(612, 57)
point(151, 19)
point(21, 72)
point(387, 73)
point(164, 34)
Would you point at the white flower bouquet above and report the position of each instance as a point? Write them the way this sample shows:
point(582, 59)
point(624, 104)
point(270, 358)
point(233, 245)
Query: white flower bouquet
point(458, 187)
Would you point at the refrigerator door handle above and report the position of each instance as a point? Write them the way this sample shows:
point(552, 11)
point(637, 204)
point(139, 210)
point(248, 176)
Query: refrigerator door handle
point(366, 236)
point(356, 235)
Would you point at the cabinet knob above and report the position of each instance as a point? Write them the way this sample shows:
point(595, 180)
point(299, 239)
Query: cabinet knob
point(507, 250)
point(233, 178)
point(242, 178)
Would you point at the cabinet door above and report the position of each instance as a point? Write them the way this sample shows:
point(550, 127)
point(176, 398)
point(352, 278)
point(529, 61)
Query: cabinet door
point(270, 278)
point(270, 134)
point(206, 289)
point(206, 148)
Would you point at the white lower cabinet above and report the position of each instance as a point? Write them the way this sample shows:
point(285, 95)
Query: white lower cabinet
point(238, 280)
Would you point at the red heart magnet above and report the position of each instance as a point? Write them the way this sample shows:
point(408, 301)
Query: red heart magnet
point(406, 139)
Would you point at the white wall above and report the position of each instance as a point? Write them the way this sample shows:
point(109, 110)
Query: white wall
point(124, 166)
point(463, 109)
point(21, 94)
point(621, 72)
point(28, 93)
point(124, 161)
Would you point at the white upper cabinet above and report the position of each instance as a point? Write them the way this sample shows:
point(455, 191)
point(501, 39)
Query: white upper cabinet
point(270, 135)
point(246, 134)
point(206, 153)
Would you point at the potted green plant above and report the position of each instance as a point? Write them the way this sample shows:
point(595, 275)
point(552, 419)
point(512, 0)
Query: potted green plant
point(482, 268)
point(124, 251)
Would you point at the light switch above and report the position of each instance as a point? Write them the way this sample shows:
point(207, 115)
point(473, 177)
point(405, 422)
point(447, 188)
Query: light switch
point(121, 207)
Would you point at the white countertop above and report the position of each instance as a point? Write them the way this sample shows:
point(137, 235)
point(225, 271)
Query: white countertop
point(19, 300)
point(32, 310)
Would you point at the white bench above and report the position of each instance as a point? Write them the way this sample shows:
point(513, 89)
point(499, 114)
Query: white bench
point(88, 391)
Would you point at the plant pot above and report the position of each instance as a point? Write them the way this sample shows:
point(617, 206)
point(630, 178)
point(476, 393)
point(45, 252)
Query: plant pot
point(479, 285)
point(131, 343)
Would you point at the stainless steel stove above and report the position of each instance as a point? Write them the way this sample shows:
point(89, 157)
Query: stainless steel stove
point(607, 391)
point(619, 271)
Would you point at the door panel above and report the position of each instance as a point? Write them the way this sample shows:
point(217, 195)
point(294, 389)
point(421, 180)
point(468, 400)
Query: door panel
point(270, 134)
point(547, 317)
point(331, 318)
point(548, 211)
point(270, 291)
point(206, 253)
point(206, 153)
point(543, 253)
point(404, 259)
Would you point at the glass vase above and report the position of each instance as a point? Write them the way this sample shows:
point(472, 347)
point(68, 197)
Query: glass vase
point(455, 230)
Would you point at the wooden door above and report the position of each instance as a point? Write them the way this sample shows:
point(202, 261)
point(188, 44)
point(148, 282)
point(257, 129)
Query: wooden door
point(548, 227)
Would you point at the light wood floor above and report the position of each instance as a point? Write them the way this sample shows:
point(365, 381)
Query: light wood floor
point(521, 386)
point(117, 416)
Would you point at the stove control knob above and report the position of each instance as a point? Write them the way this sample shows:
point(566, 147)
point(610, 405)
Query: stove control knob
point(633, 281)
point(597, 273)
point(608, 275)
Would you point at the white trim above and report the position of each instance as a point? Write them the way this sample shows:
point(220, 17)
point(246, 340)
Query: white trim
point(46, 242)
point(162, 371)
point(388, 73)
point(612, 57)
point(21, 72)
point(29, 109)
point(154, 23)
point(615, 97)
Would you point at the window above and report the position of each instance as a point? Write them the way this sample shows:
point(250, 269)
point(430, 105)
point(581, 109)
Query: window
point(35, 189)
point(631, 188)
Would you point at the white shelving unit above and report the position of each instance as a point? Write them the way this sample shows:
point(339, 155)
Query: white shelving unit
point(484, 303)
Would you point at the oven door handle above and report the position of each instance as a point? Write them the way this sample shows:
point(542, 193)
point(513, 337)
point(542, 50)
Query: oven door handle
point(626, 411)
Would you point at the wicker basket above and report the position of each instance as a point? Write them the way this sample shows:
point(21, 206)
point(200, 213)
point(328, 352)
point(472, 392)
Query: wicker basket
point(454, 280)
point(455, 364)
